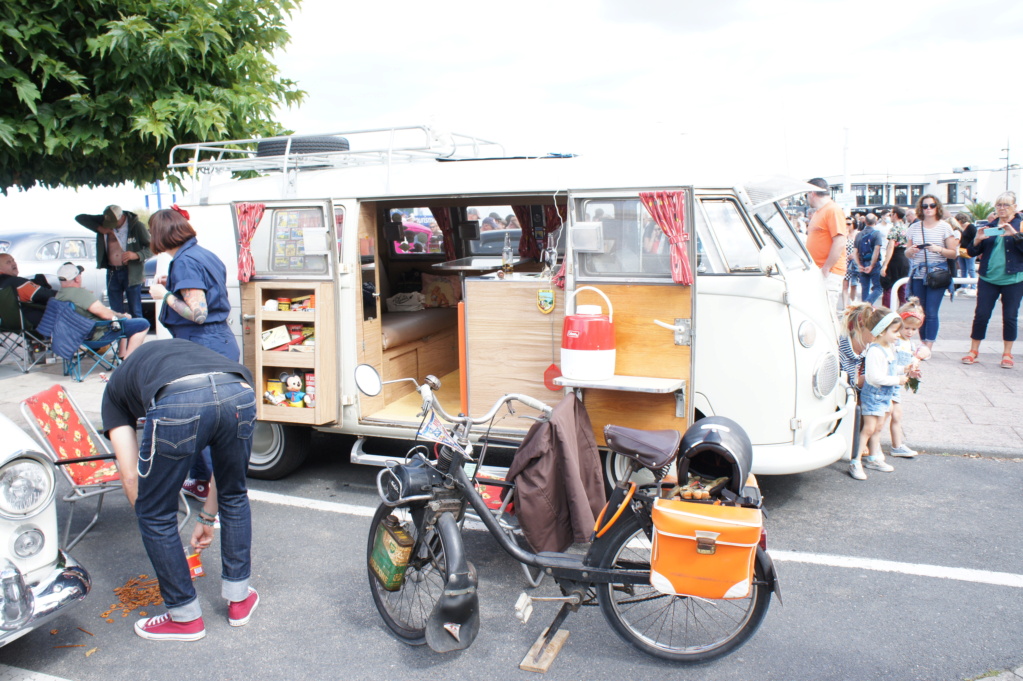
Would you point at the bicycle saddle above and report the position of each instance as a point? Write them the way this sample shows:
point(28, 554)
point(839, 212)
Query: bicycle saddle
point(653, 449)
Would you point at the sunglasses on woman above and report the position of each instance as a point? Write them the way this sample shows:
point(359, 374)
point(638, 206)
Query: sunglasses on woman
point(925, 206)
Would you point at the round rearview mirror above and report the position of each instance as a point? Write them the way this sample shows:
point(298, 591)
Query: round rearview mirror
point(368, 380)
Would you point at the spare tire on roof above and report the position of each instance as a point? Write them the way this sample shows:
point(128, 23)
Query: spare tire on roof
point(311, 144)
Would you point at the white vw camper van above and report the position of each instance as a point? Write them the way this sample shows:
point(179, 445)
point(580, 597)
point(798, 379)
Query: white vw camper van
point(384, 247)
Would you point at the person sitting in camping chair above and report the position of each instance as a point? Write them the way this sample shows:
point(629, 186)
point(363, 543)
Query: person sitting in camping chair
point(87, 305)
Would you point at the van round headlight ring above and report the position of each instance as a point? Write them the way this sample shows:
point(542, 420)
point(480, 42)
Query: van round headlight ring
point(27, 541)
point(45, 468)
point(807, 333)
point(825, 375)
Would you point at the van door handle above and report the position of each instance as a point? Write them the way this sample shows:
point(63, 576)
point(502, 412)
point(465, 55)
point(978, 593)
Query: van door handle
point(683, 329)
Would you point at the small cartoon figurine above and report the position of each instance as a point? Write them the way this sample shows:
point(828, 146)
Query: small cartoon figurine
point(293, 392)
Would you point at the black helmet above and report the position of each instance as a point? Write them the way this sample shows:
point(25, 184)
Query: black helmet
point(714, 447)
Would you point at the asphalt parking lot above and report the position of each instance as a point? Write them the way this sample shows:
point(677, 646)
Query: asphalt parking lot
point(913, 575)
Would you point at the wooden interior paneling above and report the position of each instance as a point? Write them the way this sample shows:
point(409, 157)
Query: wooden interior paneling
point(643, 349)
point(510, 343)
point(370, 350)
point(250, 338)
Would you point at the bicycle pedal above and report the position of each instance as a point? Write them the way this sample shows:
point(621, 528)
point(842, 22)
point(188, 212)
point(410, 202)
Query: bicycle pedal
point(524, 608)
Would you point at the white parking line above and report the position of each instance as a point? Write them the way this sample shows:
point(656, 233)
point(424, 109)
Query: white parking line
point(852, 562)
point(16, 674)
point(921, 569)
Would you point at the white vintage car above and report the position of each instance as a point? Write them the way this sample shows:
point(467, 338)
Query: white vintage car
point(37, 579)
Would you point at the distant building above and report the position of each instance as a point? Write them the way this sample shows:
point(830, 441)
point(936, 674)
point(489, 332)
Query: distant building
point(954, 189)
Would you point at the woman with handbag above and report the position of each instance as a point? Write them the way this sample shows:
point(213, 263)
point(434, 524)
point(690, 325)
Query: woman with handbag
point(896, 264)
point(931, 243)
point(1001, 275)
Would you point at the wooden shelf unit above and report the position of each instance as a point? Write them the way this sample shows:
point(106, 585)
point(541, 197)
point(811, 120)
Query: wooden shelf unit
point(322, 361)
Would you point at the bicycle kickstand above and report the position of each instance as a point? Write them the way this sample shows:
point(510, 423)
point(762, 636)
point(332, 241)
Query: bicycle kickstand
point(543, 651)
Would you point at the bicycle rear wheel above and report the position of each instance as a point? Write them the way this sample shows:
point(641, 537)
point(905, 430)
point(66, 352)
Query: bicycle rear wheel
point(679, 628)
point(407, 610)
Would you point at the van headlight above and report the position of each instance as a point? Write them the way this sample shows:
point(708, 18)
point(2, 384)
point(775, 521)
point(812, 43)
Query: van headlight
point(807, 334)
point(26, 485)
point(825, 375)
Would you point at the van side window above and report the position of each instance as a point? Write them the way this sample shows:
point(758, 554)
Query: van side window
point(298, 243)
point(791, 248)
point(731, 235)
point(632, 245)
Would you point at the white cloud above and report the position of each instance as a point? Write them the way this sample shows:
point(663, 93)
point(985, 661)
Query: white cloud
point(753, 87)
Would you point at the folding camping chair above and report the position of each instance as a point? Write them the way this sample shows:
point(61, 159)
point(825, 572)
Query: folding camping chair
point(18, 338)
point(76, 339)
point(78, 451)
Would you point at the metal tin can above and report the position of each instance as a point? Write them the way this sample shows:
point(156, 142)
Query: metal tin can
point(284, 304)
point(392, 548)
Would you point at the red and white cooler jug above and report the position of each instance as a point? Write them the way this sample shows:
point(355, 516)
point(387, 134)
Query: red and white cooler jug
point(588, 341)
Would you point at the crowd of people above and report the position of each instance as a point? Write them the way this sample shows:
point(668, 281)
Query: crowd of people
point(864, 255)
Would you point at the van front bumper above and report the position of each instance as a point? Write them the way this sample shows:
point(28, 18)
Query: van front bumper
point(24, 608)
point(808, 454)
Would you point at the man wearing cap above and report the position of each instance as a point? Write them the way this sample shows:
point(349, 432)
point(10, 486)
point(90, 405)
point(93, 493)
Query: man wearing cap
point(87, 305)
point(825, 239)
point(122, 247)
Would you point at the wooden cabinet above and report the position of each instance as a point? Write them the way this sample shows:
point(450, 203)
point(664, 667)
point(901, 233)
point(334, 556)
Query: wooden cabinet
point(320, 363)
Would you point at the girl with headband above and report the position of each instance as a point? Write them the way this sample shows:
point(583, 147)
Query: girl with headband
point(881, 376)
point(912, 314)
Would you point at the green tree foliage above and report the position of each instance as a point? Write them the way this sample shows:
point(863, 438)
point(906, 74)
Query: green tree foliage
point(979, 210)
point(96, 92)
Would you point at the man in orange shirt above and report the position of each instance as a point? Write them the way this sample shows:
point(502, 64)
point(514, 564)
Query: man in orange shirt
point(825, 239)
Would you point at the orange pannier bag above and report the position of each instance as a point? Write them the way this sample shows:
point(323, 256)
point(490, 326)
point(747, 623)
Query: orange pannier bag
point(703, 550)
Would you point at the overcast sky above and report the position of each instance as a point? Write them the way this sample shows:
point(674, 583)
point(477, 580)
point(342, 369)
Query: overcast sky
point(758, 88)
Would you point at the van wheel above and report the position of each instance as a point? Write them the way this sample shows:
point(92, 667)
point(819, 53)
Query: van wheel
point(615, 466)
point(277, 450)
point(302, 145)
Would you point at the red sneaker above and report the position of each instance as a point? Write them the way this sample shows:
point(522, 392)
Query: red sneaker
point(163, 628)
point(197, 489)
point(239, 612)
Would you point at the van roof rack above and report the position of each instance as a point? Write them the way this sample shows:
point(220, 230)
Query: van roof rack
point(374, 146)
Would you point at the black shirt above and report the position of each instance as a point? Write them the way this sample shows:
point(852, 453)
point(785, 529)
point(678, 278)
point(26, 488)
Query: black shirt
point(969, 232)
point(150, 367)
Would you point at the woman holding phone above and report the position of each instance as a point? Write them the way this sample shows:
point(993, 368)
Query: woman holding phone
point(1001, 275)
point(931, 243)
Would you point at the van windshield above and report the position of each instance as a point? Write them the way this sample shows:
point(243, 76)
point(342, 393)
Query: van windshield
point(781, 233)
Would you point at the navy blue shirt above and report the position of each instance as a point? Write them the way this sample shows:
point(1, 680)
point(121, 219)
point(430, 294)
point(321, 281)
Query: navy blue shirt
point(195, 267)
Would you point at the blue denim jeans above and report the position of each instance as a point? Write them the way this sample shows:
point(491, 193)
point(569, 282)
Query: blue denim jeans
point(130, 326)
point(870, 285)
point(930, 298)
point(987, 296)
point(118, 290)
point(178, 426)
point(967, 268)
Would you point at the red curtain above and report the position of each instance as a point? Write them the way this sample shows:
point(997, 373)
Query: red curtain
point(443, 218)
point(668, 209)
point(526, 222)
point(249, 215)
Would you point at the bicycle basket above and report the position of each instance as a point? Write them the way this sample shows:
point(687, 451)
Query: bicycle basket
point(716, 447)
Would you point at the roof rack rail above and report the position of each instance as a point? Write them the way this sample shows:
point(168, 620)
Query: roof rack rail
point(374, 146)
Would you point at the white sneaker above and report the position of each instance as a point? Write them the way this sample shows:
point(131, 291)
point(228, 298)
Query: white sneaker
point(856, 470)
point(903, 451)
point(878, 465)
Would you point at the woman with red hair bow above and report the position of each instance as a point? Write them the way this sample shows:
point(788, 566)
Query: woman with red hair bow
point(195, 304)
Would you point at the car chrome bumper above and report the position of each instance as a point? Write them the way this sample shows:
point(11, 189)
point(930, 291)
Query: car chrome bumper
point(807, 454)
point(24, 608)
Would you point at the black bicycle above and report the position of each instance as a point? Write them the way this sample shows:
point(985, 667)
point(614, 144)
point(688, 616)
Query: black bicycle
point(426, 589)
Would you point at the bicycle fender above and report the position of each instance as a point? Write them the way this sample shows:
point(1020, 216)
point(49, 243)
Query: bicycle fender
point(770, 574)
point(455, 620)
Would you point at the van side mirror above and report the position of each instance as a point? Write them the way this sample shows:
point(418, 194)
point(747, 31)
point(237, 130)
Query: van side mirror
point(367, 379)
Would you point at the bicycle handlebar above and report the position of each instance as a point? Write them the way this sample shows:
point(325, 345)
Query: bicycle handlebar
point(430, 400)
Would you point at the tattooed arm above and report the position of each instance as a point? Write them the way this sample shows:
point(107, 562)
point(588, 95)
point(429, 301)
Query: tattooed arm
point(193, 306)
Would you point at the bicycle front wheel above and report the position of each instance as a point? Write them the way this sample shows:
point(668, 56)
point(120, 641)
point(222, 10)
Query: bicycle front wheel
point(679, 628)
point(407, 609)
